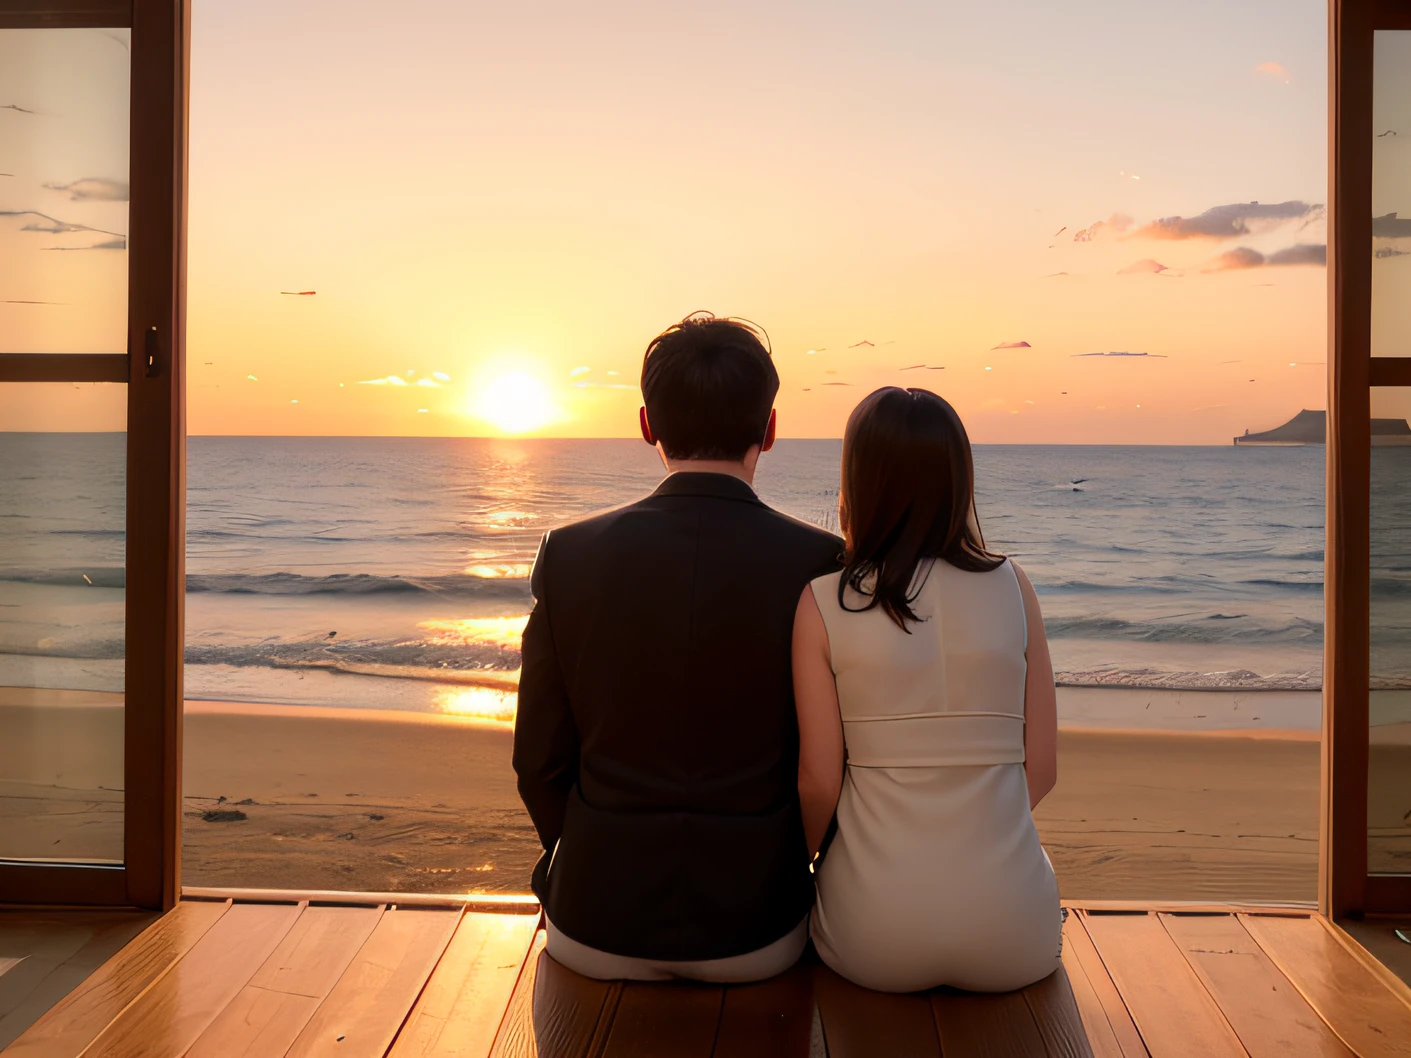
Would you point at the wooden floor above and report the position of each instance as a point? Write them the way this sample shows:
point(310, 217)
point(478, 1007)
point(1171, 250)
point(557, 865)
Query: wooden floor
point(303, 978)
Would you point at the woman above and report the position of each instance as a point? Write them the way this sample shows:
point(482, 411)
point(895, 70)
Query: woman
point(927, 716)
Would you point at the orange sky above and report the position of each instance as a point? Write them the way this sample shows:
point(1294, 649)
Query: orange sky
point(534, 191)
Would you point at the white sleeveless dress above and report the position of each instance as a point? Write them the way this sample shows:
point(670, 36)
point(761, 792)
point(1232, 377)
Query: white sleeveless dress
point(936, 875)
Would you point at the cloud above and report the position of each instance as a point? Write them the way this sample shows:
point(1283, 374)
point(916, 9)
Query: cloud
point(1146, 266)
point(52, 225)
point(1390, 251)
point(1391, 227)
point(1013, 345)
point(1234, 260)
point(1242, 257)
point(1300, 254)
point(1118, 222)
point(93, 189)
point(1274, 70)
point(1155, 356)
point(579, 371)
point(601, 385)
point(390, 380)
point(429, 383)
point(109, 244)
point(1228, 222)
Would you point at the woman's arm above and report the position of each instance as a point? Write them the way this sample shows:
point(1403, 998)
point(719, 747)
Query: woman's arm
point(1040, 701)
point(820, 726)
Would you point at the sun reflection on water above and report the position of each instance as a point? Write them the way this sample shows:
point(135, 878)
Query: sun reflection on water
point(499, 571)
point(502, 632)
point(490, 704)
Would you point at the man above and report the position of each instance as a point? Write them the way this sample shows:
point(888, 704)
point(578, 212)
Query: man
point(656, 742)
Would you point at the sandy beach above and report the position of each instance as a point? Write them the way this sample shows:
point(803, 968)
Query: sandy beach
point(318, 798)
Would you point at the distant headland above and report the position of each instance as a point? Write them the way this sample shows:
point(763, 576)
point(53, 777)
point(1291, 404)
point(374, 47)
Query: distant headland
point(1311, 428)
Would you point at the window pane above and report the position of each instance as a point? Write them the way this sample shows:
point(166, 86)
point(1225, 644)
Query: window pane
point(1389, 763)
point(63, 190)
point(1391, 194)
point(62, 544)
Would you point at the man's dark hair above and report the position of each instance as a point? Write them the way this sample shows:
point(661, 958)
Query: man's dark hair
point(708, 385)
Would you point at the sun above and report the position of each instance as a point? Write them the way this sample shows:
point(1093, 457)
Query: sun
point(515, 403)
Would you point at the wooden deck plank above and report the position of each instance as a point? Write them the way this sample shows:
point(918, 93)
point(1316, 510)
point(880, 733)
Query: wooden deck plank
point(1356, 1005)
point(268, 1014)
point(1171, 1008)
point(972, 1025)
point(1268, 1015)
point(1055, 1009)
point(769, 1019)
point(665, 1018)
point(39, 944)
point(55, 954)
point(460, 1009)
point(554, 1012)
point(1111, 1031)
point(1377, 937)
point(859, 1023)
point(178, 1005)
point(366, 1008)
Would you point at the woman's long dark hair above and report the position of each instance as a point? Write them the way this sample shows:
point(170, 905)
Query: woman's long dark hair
point(908, 494)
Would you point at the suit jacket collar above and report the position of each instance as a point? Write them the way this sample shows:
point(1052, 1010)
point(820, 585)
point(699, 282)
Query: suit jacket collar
point(695, 483)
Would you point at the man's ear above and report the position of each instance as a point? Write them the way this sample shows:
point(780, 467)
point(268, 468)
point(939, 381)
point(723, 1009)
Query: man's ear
point(769, 431)
point(647, 434)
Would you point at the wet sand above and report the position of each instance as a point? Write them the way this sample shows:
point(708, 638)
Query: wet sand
point(314, 798)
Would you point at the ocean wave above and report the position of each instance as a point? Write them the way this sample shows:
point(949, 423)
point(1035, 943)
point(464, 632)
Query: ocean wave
point(1286, 585)
point(1162, 679)
point(496, 664)
point(1214, 628)
point(94, 576)
point(508, 581)
point(454, 584)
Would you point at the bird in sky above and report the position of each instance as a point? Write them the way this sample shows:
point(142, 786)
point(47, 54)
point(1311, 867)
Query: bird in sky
point(863, 342)
point(1059, 232)
point(837, 383)
point(16, 302)
point(16, 108)
point(1384, 135)
point(912, 367)
point(300, 293)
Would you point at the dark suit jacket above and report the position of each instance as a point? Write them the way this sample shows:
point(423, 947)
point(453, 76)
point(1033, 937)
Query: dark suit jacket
point(656, 742)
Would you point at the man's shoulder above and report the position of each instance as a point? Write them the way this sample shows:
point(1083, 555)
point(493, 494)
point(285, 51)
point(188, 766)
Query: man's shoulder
point(592, 526)
point(812, 543)
point(813, 539)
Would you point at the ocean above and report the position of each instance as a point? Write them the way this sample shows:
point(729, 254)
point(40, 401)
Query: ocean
point(392, 573)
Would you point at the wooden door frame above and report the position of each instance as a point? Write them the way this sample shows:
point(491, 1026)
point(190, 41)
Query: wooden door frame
point(154, 369)
point(1345, 887)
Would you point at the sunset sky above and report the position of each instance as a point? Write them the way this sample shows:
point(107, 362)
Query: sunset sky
point(490, 199)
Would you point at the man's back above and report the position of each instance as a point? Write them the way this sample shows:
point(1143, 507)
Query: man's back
point(656, 740)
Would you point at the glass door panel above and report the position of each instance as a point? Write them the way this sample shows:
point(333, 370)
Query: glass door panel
point(63, 451)
point(64, 182)
point(1389, 703)
point(1391, 193)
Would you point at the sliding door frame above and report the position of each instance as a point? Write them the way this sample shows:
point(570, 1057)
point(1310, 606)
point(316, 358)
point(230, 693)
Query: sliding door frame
point(154, 370)
point(1345, 887)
